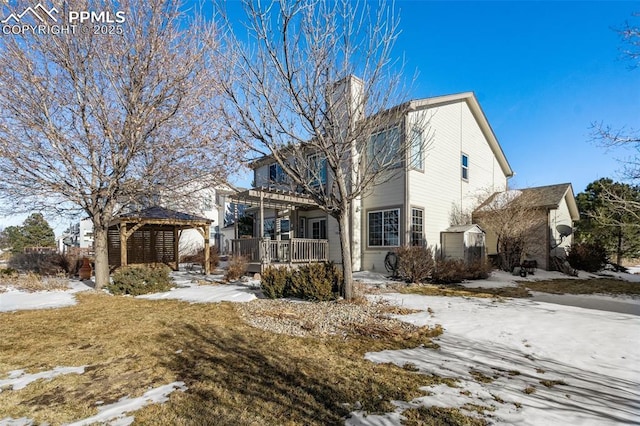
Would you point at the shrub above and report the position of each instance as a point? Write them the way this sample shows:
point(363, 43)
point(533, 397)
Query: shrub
point(316, 282)
point(590, 257)
point(311, 282)
point(275, 282)
point(198, 257)
point(448, 271)
point(8, 273)
point(140, 279)
point(42, 263)
point(237, 268)
point(415, 263)
point(478, 270)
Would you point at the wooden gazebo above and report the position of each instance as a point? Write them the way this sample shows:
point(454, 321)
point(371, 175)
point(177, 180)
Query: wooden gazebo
point(152, 236)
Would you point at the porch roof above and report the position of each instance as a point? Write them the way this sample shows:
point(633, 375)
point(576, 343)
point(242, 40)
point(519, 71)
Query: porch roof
point(273, 198)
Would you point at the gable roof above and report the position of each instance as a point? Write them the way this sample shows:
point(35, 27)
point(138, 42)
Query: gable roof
point(426, 103)
point(463, 228)
point(548, 197)
point(472, 102)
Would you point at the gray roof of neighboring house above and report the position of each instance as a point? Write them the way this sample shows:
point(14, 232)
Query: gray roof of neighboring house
point(549, 196)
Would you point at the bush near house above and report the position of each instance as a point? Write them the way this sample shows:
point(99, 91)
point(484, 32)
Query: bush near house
point(415, 263)
point(315, 282)
point(589, 257)
point(450, 271)
point(198, 257)
point(237, 268)
point(140, 279)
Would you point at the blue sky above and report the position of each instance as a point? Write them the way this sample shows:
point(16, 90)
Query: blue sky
point(542, 72)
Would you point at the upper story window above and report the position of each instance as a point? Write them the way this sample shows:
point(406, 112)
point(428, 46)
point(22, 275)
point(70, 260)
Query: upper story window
point(383, 149)
point(276, 174)
point(465, 167)
point(416, 148)
point(317, 170)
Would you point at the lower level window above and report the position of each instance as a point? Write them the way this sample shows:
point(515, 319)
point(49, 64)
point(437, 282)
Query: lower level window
point(384, 228)
point(417, 227)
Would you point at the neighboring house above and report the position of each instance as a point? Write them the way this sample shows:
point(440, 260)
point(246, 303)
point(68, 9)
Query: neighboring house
point(212, 203)
point(79, 234)
point(552, 211)
point(462, 160)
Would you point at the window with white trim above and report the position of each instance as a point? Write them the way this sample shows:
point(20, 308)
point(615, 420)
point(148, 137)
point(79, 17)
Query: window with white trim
point(276, 174)
point(465, 166)
point(383, 149)
point(317, 169)
point(384, 228)
point(417, 227)
point(416, 154)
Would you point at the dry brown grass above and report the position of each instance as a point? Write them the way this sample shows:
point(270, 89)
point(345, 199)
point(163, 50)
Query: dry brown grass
point(436, 416)
point(591, 286)
point(236, 374)
point(460, 291)
point(557, 286)
point(32, 282)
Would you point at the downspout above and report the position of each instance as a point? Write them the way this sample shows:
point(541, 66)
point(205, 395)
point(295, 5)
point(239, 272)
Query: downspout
point(407, 214)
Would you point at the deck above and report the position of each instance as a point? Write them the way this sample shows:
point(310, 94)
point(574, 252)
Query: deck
point(262, 252)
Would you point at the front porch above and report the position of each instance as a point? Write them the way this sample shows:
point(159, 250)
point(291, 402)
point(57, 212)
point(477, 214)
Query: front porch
point(262, 250)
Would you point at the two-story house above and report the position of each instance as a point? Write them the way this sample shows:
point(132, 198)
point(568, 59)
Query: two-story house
point(460, 159)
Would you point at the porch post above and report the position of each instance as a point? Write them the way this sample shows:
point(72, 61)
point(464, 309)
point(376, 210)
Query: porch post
point(276, 225)
point(235, 221)
point(176, 246)
point(261, 215)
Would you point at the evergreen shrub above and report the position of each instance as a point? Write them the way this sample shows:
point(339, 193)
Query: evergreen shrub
point(140, 279)
point(589, 257)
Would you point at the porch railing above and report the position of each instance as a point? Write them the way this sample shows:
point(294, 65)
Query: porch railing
point(295, 250)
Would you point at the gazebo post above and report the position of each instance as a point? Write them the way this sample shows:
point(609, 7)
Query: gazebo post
point(207, 267)
point(123, 244)
point(176, 247)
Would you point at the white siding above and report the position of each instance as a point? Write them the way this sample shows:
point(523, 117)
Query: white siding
point(560, 216)
point(388, 195)
point(440, 187)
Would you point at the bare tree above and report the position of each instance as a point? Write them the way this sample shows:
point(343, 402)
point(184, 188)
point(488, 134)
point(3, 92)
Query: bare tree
point(517, 221)
point(298, 100)
point(89, 121)
point(626, 137)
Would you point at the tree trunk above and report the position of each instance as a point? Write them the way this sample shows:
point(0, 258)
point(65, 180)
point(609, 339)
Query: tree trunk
point(619, 249)
point(101, 255)
point(345, 246)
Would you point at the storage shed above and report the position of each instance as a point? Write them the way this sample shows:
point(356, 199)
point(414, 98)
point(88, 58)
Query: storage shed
point(466, 242)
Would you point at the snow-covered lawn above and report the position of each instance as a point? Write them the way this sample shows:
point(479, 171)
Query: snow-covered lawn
point(527, 362)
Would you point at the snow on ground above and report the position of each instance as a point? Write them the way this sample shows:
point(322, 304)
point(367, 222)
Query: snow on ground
point(115, 413)
point(18, 379)
point(592, 355)
point(14, 300)
point(188, 290)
